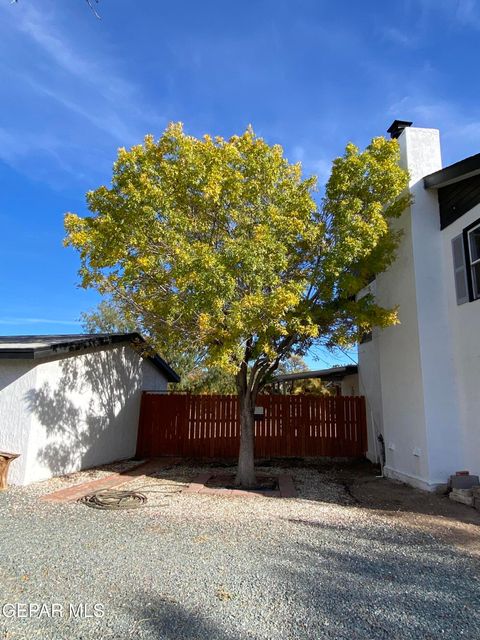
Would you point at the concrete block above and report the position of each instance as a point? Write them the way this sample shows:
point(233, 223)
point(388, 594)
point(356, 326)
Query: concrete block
point(476, 503)
point(464, 496)
point(463, 482)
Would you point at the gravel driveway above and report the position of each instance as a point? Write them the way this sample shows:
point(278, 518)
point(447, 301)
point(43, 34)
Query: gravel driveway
point(353, 557)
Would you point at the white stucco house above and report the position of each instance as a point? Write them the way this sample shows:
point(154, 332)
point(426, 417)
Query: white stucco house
point(421, 378)
point(71, 402)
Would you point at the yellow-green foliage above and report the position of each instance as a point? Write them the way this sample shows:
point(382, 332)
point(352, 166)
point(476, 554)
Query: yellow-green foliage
point(217, 247)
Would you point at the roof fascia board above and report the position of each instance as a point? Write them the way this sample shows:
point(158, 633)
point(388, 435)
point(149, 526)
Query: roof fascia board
point(83, 344)
point(337, 372)
point(454, 173)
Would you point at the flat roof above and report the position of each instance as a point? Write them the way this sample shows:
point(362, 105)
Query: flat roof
point(466, 168)
point(36, 347)
point(334, 373)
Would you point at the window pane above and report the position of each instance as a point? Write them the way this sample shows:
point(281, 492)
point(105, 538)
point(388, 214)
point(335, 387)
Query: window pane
point(475, 244)
point(476, 280)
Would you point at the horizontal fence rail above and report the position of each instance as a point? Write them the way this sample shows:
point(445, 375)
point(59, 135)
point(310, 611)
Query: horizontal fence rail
point(207, 426)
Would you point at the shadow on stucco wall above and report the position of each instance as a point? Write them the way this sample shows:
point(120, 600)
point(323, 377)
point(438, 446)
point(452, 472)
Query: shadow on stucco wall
point(86, 408)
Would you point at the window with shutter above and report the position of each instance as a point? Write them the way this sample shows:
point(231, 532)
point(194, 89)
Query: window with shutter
point(460, 270)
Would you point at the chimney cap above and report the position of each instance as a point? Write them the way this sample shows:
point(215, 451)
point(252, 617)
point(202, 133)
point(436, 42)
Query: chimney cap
point(397, 127)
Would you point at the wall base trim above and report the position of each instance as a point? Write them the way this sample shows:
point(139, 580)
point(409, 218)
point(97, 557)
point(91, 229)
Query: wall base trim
point(414, 481)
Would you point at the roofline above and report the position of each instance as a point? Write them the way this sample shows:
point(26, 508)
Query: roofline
point(462, 170)
point(83, 343)
point(333, 372)
point(170, 374)
point(77, 344)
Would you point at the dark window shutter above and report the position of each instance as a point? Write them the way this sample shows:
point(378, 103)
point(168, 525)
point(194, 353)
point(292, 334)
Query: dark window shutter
point(460, 270)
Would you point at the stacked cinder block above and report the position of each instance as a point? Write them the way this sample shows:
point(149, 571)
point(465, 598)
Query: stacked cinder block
point(465, 488)
point(476, 498)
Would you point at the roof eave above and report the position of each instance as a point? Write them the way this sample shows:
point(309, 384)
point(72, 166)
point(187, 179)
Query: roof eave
point(59, 348)
point(462, 170)
point(82, 344)
point(165, 368)
point(337, 373)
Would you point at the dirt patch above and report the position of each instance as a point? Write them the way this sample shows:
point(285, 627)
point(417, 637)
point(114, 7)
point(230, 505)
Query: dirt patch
point(431, 513)
point(227, 481)
point(223, 484)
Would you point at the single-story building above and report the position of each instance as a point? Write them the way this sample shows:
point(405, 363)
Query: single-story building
point(343, 380)
point(70, 402)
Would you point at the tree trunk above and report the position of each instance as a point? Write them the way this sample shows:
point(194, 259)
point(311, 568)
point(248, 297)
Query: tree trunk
point(246, 467)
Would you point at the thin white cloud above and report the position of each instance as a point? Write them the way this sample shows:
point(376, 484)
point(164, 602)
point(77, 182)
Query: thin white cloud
point(107, 121)
point(467, 13)
point(37, 25)
point(459, 129)
point(103, 78)
point(17, 321)
point(398, 37)
point(322, 168)
point(464, 13)
point(85, 106)
point(312, 164)
point(17, 144)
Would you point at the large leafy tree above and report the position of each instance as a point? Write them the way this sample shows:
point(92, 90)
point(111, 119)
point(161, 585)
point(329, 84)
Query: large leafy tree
point(195, 376)
point(218, 248)
point(106, 318)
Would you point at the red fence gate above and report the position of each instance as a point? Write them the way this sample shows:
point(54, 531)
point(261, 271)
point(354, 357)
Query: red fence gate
point(206, 426)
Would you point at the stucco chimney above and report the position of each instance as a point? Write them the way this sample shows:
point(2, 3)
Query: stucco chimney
point(419, 153)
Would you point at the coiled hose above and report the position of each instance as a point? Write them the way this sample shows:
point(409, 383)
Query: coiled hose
point(114, 499)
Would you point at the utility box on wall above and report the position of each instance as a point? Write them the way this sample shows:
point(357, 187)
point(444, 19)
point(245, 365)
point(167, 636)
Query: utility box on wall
point(259, 413)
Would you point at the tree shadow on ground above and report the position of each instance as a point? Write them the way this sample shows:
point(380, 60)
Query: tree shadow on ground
point(354, 485)
point(95, 396)
point(333, 582)
point(383, 582)
point(169, 620)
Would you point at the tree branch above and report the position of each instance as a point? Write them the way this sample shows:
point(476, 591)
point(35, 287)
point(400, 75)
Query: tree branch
point(92, 7)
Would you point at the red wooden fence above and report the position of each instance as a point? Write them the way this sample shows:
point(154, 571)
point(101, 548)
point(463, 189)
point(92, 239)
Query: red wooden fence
point(204, 426)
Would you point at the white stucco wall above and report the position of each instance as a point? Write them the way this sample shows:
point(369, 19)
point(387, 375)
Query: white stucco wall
point(418, 386)
point(403, 415)
point(17, 377)
point(75, 412)
point(421, 147)
point(465, 324)
point(152, 379)
point(370, 386)
point(349, 385)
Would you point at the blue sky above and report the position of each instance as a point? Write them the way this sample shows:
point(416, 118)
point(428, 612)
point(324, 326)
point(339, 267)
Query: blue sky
point(308, 74)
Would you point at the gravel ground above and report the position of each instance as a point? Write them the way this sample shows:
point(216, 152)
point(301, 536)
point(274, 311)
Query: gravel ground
point(62, 482)
point(338, 562)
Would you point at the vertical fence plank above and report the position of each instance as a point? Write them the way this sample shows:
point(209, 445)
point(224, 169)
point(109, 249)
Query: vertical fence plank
point(208, 426)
